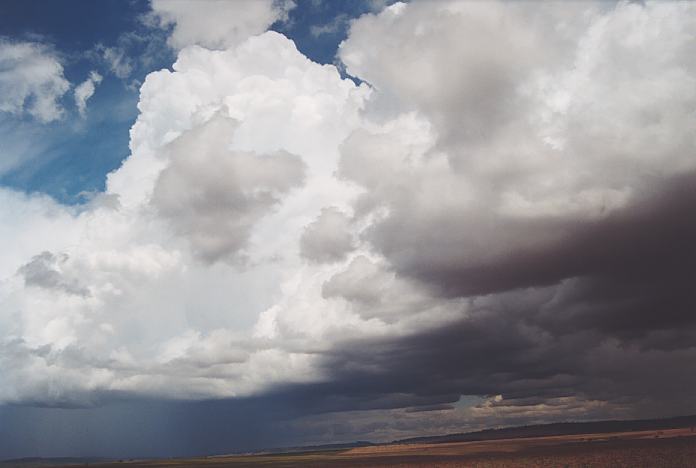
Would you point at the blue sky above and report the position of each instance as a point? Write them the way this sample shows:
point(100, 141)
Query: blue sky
point(69, 158)
point(73, 155)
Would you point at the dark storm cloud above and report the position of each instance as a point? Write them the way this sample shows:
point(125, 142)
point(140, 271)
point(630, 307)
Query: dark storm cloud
point(653, 235)
point(607, 334)
point(520, 247)
point(607, 315)
point(566, 226)
point(538, 377)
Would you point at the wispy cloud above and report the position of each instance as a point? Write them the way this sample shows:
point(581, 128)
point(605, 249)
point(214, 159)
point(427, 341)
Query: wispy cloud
point(85, 90)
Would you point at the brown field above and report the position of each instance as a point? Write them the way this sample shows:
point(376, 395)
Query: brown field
point(650, 449)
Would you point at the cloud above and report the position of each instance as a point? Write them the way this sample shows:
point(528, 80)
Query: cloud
point(43, 271)
point(85, 90)
point(497, 229)
point(328, 238)
point(336, 25)
point(531, 209)
point(548, 173)
point(107, 292)
point(31, 81)
point(134, 53)
point(214, 196)
point(216, 24)
point(119, 63)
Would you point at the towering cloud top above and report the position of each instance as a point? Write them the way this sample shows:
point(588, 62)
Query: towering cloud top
point(217, 24)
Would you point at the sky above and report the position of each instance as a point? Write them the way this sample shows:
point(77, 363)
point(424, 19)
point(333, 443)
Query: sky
point(233, 225)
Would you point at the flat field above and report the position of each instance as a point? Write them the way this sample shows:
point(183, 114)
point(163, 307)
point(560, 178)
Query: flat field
point(653, 449)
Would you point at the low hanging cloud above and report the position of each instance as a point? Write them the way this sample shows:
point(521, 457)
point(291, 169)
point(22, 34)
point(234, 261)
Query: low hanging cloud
point(552, 172)
point(490, 228)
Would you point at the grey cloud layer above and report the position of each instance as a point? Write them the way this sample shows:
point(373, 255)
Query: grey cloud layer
point(556, 200)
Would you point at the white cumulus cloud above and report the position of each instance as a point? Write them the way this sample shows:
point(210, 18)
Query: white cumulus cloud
point(31, 80)
point(128, 295)
point(217, 24)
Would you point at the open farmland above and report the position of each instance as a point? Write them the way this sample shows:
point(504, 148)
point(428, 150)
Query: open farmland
point(654, 449)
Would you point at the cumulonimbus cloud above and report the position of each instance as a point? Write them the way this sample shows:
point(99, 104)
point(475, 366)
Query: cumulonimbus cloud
point(501, 216)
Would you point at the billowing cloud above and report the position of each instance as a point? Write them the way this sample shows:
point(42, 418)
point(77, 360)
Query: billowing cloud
point(31, 80)
point(140, 261)
point(44, 271)
point(217, 24)
point(555, 216)
point(328, 238)
point(555, 166)
point(214, 196)
point(493, 228)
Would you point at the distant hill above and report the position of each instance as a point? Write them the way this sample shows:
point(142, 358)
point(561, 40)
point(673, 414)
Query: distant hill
point(304, 448)
point(37, 462)
point(564, 428)
point(537, 430)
